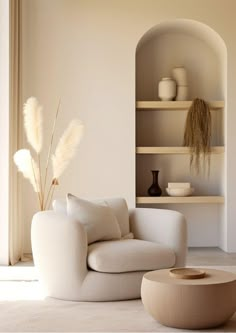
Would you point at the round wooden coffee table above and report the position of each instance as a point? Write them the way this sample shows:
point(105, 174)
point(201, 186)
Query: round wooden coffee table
point(190, 303)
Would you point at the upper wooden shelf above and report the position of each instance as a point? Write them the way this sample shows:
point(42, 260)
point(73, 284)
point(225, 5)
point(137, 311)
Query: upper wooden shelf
point(179, 200)
point(174, 105)
point(174, 150)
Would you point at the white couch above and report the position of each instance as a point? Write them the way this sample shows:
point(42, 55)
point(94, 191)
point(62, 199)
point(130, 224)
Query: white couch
point(70, 269)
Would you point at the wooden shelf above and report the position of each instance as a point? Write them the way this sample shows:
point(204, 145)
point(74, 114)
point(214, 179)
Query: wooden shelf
point(179, 200)
point(173, 105)
point(174, 150)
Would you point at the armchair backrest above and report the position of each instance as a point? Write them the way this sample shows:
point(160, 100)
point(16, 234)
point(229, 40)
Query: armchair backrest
point(118, 205)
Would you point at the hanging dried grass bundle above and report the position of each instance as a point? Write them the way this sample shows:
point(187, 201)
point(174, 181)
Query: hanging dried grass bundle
point(197, 135)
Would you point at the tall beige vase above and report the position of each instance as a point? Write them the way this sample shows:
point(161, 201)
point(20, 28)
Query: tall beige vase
point(179, 74)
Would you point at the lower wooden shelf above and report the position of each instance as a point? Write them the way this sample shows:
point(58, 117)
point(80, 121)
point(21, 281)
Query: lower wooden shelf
point(179, 200)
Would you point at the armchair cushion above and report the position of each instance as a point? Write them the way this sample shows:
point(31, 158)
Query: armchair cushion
point(118, 206)
point(99, 220)
point(59, 206)
point(129, 255)
point(121, 211)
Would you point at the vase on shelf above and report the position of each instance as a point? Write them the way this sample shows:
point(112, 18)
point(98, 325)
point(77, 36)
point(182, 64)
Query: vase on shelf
point(179, 74)
point(155, 190)
point(182, 93)
point(167, 89)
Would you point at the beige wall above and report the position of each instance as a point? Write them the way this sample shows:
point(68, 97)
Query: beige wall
point(84, 52)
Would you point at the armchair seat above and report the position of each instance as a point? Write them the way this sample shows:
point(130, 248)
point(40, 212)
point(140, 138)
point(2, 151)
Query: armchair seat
point(129, 255)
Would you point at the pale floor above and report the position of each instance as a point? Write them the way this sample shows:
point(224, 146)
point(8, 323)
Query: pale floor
point(210, 256)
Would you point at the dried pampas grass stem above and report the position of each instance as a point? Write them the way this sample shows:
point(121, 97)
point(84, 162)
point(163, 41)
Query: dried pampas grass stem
point(197, 135)
point(49, 152)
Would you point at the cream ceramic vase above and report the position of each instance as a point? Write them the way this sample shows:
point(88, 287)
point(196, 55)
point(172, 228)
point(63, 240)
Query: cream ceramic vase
point(182, 93)
point(167, 89)
point(179, 74)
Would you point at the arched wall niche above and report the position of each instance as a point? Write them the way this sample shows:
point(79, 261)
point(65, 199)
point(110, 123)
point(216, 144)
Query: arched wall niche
point(182, 42)
point(197, 47)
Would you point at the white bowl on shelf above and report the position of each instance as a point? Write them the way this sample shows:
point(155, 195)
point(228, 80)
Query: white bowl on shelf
point(180, 192)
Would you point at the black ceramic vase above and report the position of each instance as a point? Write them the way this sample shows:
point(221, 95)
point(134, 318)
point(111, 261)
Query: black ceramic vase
point(155, 190)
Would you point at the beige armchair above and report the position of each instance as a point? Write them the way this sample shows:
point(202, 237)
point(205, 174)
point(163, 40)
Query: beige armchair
point(70, 269)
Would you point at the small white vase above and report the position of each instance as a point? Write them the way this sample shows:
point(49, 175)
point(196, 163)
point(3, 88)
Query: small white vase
point(167, 89)
point(182, 93)
point(179, 74)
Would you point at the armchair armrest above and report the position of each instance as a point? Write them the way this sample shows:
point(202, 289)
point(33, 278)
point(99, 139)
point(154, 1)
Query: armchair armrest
point(59, 245)
point(166, 227)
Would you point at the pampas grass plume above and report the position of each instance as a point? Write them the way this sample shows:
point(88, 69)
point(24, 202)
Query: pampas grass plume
point(33, 123)
point(66, 147)
point(26, 164)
